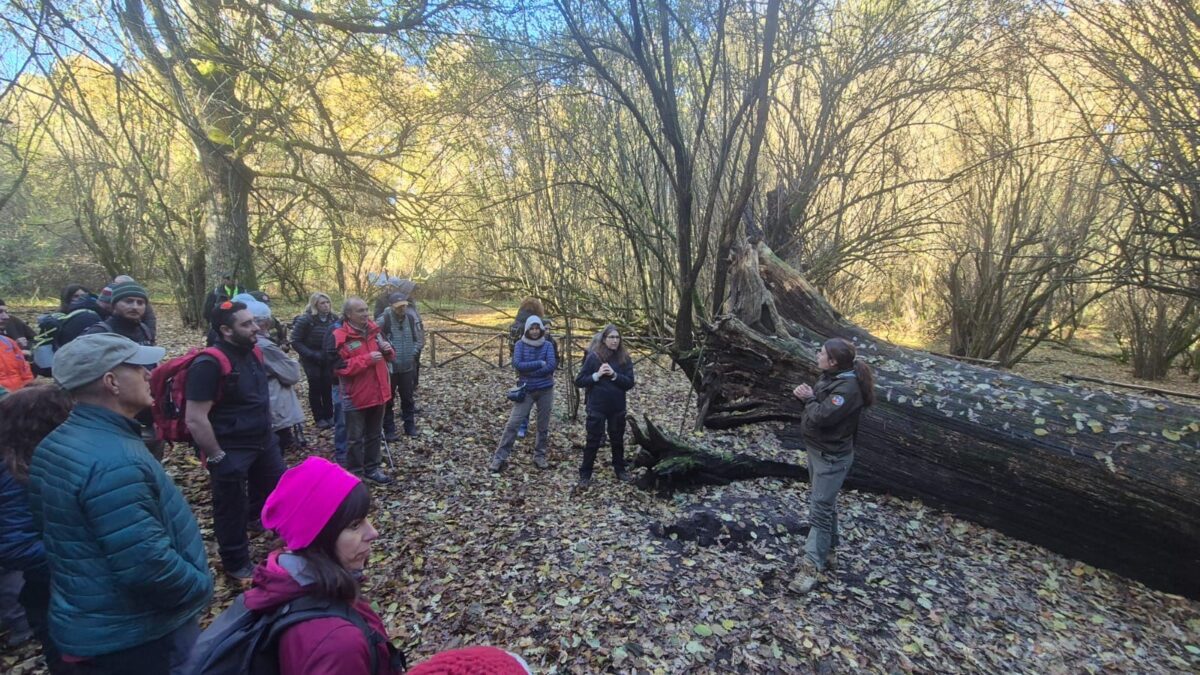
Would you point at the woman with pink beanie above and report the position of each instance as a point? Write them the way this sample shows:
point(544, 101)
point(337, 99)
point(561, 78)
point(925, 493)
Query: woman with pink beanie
point(320, 510)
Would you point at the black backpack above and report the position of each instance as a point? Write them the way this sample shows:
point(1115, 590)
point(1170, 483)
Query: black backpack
point(51, 335)
point(241, 641)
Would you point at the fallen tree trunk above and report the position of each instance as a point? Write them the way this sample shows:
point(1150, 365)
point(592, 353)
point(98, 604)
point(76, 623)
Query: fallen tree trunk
point(673, 464)
point(1111, 480)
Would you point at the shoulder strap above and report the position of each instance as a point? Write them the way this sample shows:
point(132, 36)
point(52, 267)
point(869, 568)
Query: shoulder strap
point(308, 607)
point(219, 356)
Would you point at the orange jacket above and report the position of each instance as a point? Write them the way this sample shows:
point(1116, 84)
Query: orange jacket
point(14, 369)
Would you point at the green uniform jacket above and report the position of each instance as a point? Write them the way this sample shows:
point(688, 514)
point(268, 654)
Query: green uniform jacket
point(831, 415)
point(126, 558)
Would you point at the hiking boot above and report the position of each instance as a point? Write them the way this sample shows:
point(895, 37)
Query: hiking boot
point(541, 463)
point(410, 428)
point(242, 575)
point(324, 424)
point(624, 477)
point(379, 477)
point(496, 466)
point(393, 437)
point(582, 485)
point(806, 577)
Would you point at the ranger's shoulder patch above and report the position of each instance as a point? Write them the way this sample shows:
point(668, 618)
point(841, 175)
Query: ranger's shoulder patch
point(837, 399)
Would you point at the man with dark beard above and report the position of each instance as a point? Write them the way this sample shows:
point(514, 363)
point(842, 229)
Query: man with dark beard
point(229, 417)
point(129, 303)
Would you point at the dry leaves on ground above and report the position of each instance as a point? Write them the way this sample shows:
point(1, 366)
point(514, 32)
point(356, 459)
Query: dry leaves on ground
point(598, 583)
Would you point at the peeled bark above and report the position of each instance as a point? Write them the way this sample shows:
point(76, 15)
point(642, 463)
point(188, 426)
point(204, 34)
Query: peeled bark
point(1111, 480)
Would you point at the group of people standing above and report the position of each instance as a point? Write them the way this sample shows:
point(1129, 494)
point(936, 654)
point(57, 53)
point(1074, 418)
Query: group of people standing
point(115, 570)
point(606, 376)
point(832, 408)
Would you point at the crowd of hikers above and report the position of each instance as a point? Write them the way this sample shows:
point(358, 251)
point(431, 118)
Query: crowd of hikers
point(101, 557)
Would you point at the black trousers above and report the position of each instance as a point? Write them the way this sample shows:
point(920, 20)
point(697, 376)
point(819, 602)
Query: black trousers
point(240, 485)
point(35, 599)
point(320, 388)
point(597, 423)
point(404, 386)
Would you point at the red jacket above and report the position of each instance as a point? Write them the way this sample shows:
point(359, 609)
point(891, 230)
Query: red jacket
point(329, 646)
point(14, 369)
point(365, 383)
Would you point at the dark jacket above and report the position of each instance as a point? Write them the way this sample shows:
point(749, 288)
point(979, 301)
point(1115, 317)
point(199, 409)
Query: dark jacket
point(831, 415)
point(140, 332)
point(606, 395)
point(364, 383)
point(18, 329)
point(20, 543)
point(535, 364)
point(128, 561)
point(308, 336)
point(327, 646)
point(77, 322)
point(241, 419)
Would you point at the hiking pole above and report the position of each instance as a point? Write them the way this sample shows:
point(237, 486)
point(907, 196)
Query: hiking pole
point(387, 449)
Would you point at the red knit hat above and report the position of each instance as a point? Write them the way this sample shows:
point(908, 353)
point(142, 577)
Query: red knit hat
point(473, 661)
point(305, 499)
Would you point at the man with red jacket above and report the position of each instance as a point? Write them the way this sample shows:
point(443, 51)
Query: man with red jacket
point(359, 358)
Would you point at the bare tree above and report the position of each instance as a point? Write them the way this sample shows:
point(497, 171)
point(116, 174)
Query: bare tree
point(700, 103)
point(1137, 81)
point(852, 189)
point(1022, 226)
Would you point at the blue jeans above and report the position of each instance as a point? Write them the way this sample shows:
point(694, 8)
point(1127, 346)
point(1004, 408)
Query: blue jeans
point(339, 426)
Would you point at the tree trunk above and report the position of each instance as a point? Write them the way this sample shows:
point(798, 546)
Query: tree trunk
point(674, 464)
point(229, 250)
point(1111, 480)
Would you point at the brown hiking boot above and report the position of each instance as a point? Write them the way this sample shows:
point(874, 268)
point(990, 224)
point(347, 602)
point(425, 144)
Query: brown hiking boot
point(805, 577)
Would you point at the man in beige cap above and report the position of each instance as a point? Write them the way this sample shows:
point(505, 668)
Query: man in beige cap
point(129, 575)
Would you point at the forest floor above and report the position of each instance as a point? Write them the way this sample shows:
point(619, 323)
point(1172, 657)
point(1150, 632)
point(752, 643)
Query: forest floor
point(596, 582)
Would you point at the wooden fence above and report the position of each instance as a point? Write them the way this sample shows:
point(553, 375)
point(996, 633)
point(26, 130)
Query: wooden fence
point(493, 348)
point(447, 345)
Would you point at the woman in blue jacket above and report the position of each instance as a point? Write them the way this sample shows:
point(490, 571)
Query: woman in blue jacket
point(607, 373)
point(533, 357)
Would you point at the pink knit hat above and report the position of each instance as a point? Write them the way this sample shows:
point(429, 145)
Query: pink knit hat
point(305, 499)
point(473, 661)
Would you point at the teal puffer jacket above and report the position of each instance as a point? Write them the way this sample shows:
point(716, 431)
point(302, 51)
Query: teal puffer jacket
point(127, 561)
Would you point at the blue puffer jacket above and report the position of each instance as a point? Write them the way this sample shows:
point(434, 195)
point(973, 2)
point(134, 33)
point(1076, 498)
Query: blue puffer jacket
point(127, 559)
point(535, 364)
point(20, 543)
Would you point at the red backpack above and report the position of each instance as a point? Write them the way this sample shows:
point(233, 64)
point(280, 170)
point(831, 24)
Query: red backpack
point(168, 385)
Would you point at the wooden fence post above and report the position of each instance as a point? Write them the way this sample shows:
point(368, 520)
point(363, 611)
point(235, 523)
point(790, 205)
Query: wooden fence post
point(433, 348)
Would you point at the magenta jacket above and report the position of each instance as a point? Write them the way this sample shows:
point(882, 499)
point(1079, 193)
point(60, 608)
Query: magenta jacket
point(330, 646)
